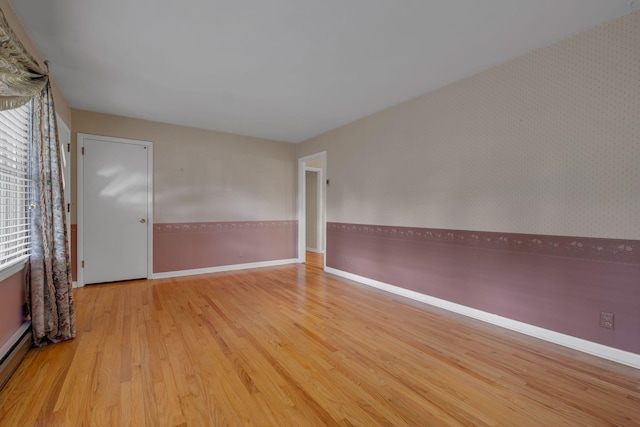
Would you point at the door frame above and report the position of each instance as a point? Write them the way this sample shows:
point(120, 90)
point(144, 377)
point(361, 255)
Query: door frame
point(65, 148)
point(80, 195)
point(302, 238)
point(319, 205)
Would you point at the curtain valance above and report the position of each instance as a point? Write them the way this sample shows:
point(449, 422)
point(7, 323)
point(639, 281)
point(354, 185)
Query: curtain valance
point(21, 77)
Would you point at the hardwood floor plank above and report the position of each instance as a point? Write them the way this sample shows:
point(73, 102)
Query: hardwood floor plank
point(292, 346)
point(315, 260)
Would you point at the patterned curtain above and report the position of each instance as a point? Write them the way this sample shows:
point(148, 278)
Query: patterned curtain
point(50, 290)
point(49, 293)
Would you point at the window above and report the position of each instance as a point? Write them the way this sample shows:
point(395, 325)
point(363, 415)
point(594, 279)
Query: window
point(14, 184)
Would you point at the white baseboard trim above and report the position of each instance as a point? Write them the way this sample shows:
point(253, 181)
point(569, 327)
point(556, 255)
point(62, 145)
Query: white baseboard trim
point(595, 349)
point(74, 284)
point(222, 268)
point(318, 251)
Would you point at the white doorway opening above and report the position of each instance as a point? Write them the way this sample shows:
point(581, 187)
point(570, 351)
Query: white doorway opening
point(315, 163)
point(313, 208)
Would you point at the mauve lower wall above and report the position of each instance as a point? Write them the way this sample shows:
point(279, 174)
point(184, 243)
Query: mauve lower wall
point(11, 303)
point(557, 283)
point(188, 246)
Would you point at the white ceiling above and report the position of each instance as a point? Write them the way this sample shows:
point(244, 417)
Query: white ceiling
point(284, 69)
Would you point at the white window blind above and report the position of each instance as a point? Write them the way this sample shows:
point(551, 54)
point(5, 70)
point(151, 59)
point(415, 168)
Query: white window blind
point(14, 184)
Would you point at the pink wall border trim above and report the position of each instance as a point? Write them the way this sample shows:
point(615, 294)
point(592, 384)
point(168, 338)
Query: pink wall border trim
point(196, 227)
point(595, 249)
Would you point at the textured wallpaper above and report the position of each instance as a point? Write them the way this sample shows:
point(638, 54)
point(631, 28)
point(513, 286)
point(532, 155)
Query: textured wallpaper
point(547, 143)
point(201, 175)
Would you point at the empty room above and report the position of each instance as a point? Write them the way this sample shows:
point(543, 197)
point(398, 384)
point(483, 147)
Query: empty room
point(356, 213)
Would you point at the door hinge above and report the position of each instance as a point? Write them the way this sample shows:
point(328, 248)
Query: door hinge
point(68, 148)
point(83, 151)
point(68, 207)
point(82, 263)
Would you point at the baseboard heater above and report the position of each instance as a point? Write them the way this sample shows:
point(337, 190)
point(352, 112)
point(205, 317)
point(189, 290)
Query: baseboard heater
point(14, 351)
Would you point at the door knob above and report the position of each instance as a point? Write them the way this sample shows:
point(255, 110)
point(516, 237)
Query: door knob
point(142, 220)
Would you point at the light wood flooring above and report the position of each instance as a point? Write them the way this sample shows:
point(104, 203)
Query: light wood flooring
point(315, 259)
point(293, 346)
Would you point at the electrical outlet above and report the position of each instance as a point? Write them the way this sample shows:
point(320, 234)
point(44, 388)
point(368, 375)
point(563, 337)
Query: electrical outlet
point(606, 320)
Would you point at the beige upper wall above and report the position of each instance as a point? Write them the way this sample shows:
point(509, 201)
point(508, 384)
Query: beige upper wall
point(547, 143)
point(199, 175)
point(61, 104)
point(202, 175)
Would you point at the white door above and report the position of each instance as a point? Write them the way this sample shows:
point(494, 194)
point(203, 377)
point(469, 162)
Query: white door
point(115, 209)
